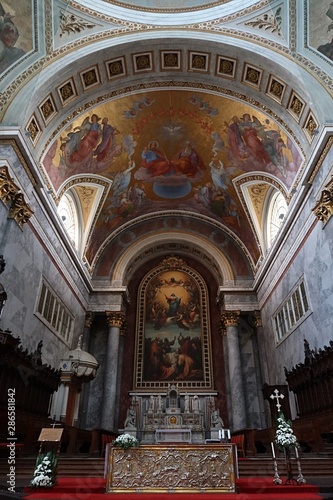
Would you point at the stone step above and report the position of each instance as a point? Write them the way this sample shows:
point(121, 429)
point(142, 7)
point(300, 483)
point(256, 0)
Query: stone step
point(81, 466)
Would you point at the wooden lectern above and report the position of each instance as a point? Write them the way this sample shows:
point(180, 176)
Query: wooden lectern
point(50, 440)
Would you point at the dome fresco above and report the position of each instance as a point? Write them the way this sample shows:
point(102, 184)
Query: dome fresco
point(169, 151)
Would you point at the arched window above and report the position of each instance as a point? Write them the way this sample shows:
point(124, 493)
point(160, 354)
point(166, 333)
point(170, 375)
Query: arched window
point(276, 213)
point(68, 214)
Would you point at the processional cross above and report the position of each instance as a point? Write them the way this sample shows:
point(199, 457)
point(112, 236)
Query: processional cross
point(276, 395)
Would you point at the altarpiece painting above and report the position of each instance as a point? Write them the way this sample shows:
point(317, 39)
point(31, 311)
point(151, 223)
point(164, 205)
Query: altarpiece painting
point(173, 334)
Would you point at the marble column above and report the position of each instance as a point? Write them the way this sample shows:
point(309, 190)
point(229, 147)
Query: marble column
point(261, 347)
point(230, 320)
point(86, 331)
point(108, 410)
point(123, 331)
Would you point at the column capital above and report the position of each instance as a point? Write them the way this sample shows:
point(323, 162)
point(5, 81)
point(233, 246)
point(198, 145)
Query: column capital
point(115, 318)
point(88, 319)
point(222, 328)
point(230, 318)
point(123, 329)
point(257, 319)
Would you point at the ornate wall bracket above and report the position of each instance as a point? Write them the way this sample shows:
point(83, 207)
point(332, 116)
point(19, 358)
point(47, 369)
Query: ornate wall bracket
point(324, 208)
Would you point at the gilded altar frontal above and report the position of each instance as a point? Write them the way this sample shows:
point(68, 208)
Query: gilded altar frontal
point(172, 469)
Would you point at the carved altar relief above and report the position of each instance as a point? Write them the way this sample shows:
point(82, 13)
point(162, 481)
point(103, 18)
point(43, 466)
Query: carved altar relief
point(180, 468)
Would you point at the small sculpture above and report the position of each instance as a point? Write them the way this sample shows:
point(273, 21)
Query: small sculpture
point(216, 421)
point(130, 421)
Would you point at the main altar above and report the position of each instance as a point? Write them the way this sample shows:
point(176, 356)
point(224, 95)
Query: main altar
point(181, 446)
point(172, 468)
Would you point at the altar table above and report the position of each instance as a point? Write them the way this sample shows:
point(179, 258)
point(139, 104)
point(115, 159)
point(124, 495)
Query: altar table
point(177, 468)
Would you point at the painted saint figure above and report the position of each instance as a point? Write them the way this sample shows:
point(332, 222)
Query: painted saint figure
point(173, 302)
point(155, 160)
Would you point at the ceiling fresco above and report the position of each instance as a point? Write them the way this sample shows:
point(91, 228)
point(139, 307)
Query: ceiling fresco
point(171, 150)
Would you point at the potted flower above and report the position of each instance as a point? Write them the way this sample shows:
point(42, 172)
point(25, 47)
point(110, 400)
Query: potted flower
point(126, 441)
point(45, 472)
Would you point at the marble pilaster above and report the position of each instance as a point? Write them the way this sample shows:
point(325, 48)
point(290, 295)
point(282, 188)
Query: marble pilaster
point(108, 411)
point(230, 321)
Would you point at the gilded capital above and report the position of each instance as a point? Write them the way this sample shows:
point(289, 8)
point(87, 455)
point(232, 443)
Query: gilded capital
point(257, 318)
point(88, 319)
point(115, 318)
point(230, 318)
point(8, 188)
point(324, 208)
point(222, 329)
point(20, 210)
point(123, 329)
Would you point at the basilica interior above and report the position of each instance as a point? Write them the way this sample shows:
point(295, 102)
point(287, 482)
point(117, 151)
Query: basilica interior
point(166, 236)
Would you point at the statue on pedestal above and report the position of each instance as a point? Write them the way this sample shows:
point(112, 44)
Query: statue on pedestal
point(130, 421)
point(216, 421)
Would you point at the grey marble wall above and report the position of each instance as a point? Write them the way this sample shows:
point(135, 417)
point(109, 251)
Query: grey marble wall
point(32, 252)
point(310, 259)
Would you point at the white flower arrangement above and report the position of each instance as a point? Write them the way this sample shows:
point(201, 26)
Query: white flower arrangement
point(44, 474)
point(285, 437)
point(126, 441)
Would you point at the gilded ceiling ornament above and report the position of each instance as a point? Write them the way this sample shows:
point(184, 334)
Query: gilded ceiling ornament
point(268, 22)
point(296, 106)
point(73, 24)
point(173, 263)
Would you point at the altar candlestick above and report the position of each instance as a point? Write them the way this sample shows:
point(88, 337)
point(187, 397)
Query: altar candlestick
point(273, 450)
point(296, 452)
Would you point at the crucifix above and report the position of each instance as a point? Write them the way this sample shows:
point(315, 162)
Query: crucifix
point(276, 395)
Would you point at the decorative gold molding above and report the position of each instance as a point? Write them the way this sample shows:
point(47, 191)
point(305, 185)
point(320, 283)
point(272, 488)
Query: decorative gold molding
point(230, 318)
point(322, 157)
point(13, 144)
point(115, 319)
point(20, 210)
point(324, 208)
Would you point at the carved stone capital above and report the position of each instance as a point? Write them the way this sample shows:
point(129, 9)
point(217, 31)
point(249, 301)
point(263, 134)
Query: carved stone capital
point(115, 318)
point(88, 319)
point(230, 318)
point(324, 208)
point(20, 210)
point(257, 318)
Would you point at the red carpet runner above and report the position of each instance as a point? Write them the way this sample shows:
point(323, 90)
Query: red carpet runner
point(249, 488)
